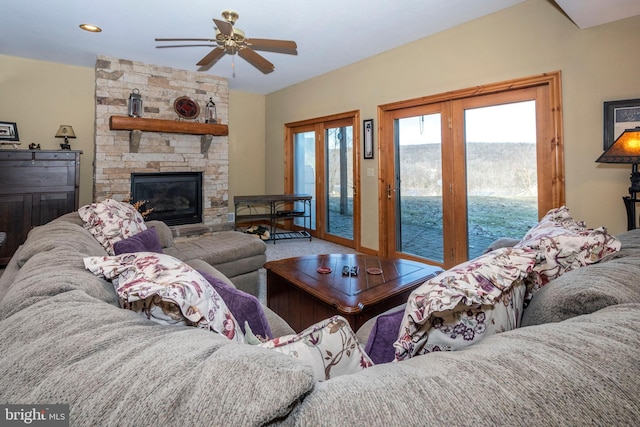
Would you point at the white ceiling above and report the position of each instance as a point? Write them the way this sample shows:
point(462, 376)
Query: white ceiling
point(330, 33)
point(589, 13)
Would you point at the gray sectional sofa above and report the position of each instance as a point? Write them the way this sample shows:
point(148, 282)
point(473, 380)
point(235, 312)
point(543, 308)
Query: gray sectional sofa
point(238, 256)
point(64, 339)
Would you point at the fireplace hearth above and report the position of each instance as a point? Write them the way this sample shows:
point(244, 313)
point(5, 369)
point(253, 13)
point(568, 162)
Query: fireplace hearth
point(176, 197)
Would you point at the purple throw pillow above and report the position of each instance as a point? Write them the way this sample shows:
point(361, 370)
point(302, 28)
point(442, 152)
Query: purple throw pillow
point(383, 334)
point(145, 241)
point(242, 305)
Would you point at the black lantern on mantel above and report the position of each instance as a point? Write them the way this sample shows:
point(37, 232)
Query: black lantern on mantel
point(135, 104)
point(211, 115)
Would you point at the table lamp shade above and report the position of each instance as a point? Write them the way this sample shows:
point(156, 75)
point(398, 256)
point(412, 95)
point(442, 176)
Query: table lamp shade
point(625, 149)
point(65, 131)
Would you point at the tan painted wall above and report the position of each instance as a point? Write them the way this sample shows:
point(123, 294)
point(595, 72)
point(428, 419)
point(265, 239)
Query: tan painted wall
point(40, 96)
point(246, 145)
point(598, 64)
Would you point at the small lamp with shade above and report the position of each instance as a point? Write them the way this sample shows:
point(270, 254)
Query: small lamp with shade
point(626, 149)
point(66, 132)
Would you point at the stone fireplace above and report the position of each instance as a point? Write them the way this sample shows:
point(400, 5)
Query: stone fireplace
point(121, 153)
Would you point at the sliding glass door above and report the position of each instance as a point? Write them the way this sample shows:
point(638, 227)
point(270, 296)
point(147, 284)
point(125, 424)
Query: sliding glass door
point(304, 173)
point(322, 160)
point(339, 178)
point(501, 171)
point(417, 187)
point(459, 173)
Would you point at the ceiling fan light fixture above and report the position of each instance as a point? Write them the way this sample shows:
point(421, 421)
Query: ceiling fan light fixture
point(91, 28)
point(230, 47)
point(230, 16)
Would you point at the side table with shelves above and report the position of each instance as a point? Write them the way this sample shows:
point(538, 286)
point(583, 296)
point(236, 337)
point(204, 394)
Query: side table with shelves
point(274, 208)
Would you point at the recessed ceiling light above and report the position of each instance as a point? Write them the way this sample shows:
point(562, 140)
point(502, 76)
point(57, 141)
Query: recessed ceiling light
point(90, 28)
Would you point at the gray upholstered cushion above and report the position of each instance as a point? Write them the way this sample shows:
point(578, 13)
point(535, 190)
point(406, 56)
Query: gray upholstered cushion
point(164, 232)
point(59, 235)
point(583, 371)
point(242, 266)
point(502, 242)
point(50, 273)
point(585, 290)
point(630, 244)
point(248, 282)
point(115, 368)
point(219, 248)
point(72, 217)
point(9, 273)
point(237, 255)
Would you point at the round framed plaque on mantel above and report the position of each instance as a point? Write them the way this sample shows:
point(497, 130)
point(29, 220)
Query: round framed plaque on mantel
point(186, 108)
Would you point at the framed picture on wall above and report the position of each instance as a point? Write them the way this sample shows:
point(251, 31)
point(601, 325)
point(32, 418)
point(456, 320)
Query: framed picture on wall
point(367, 125)
point(618, 116)
point(8, 131)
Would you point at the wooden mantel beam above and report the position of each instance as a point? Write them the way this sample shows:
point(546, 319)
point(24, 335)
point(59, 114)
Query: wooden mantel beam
point(167, 126)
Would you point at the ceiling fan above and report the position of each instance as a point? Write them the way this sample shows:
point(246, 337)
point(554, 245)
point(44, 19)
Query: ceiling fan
point(232, 40)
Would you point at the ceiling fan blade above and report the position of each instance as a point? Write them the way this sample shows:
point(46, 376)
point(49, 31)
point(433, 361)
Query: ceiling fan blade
point(184, 45)
point(213, 57)
point(270, 45)
point(224, 27)
point(186, 40)
point(256, 60)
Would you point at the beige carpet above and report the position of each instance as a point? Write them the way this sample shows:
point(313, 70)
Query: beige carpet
point(293, 248)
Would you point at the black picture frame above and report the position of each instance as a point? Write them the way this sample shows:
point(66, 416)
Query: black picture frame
point(618, 116)
point(367, 132)
point(8, 131)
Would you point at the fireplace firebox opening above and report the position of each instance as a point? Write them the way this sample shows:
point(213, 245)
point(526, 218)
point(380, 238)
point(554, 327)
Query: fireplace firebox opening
point(175, 197)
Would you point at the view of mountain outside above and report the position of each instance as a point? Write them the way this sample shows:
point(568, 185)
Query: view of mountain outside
point(500, 169)
point(501, 178)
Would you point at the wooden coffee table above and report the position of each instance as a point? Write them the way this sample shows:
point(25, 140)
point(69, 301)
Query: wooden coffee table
point(302, 296)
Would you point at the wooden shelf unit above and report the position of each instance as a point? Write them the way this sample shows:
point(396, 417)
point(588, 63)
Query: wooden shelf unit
point(274, 208)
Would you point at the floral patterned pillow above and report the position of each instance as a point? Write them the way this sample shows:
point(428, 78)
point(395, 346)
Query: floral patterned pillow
point(163, 288)
point(562, 245)
point(111, 221)
point(456, 329)
point(557, 216)
point(330, 347)
point(464, 294)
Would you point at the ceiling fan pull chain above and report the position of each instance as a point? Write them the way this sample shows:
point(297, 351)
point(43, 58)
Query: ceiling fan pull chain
point(233, 66)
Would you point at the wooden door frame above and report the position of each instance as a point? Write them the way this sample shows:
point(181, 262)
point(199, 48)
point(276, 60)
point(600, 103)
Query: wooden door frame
point(318, 125)
point(549, 145)
point(387, 152)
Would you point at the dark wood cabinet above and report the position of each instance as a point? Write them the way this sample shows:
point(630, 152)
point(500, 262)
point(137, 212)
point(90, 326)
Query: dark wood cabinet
point(36, 186)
